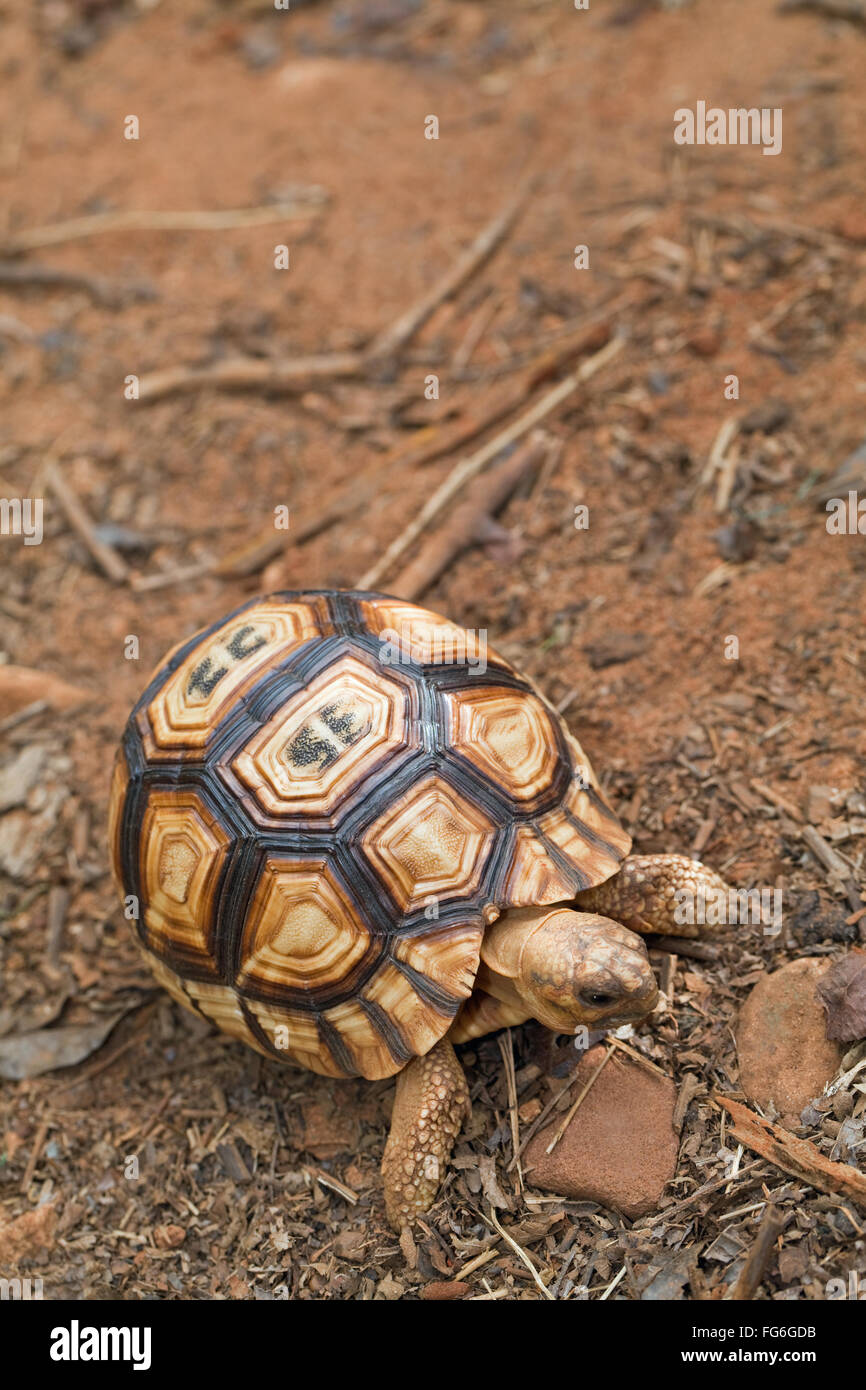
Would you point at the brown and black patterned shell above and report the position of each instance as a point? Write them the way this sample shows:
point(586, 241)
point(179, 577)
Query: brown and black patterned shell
point(319, 803)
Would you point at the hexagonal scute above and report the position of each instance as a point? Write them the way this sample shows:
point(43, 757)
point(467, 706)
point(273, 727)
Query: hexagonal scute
point(182, 849)
point(410, 635)
point(508, 735)
point(430, 843)
point(302, 931)
point(188, 708)
point(321, 744)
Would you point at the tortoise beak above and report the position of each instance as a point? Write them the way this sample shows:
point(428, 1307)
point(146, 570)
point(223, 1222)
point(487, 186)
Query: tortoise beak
point(633, 1009)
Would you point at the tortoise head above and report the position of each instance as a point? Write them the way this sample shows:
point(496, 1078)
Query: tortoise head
point(572, 969)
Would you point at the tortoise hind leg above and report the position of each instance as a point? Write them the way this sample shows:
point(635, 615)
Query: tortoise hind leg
point(658, 893)
point(430, 1106)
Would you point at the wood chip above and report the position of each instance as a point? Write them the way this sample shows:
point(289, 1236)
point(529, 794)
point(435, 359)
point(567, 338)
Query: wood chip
point(796, 1156)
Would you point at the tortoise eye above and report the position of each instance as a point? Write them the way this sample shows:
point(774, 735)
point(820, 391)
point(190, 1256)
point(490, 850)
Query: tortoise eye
point(597, 998)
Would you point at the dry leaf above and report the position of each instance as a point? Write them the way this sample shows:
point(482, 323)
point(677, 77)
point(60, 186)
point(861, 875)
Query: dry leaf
point(489, 1183)
point(842, 991)
point(32, 1054)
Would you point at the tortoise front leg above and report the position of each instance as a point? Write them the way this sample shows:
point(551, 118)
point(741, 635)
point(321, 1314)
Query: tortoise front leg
point(651, 893)
point(431, 1104)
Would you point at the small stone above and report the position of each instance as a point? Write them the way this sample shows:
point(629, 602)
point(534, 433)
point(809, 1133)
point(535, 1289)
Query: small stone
point(444, 1290)
point(821, 803)
point(658, 382)
point(616, 647)
point(529, 1110)
point(737, 541)
point(389, 1289)
point(852, 226)
point(328, 1131)
point(168, 1237)
point(34, 1230)
point(620, 1150)
point(706, 341)
point(765, 418)
point(785, 1057)
point(260, 49)
point(20, 775)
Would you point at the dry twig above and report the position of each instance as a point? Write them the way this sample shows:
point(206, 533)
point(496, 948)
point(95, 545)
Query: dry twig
point(140, 220)
point(796, 1156)
point(432, 443)
point(750, 1276)
point(470, 523)
point(101, 290)
point(243, 373)
point(507, 1051)
point(390, 341)
point(108, 560)
point(573, 1109)
point(469, 467)
point(520, 1253)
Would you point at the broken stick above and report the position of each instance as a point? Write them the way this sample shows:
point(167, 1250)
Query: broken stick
point(836, 868)
point(471, 522)
point(434, 442)
point(796, 1156)
point(750, 1276)
point(389, 342)
point(139, 220)
point(241, 373)
point(108, 560)
point(102, 291)
point(470, 467)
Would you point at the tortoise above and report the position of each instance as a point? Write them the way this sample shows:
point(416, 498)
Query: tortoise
point(351, 835)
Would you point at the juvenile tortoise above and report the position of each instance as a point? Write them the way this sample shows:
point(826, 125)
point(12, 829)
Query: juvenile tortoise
point(351, 836)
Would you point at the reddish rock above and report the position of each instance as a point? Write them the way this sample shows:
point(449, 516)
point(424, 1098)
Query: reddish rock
point(785, 1057)
point(32, 1231)
point(852, 226)
point(444, 1291)
point(168, 1237)
point(329, 1131)
point(705, 341)
point(620, 1150)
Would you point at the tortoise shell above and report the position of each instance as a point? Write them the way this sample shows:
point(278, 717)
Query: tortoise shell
point(319, 803)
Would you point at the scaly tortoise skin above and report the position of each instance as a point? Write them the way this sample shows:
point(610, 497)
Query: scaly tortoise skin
point(320, 806)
